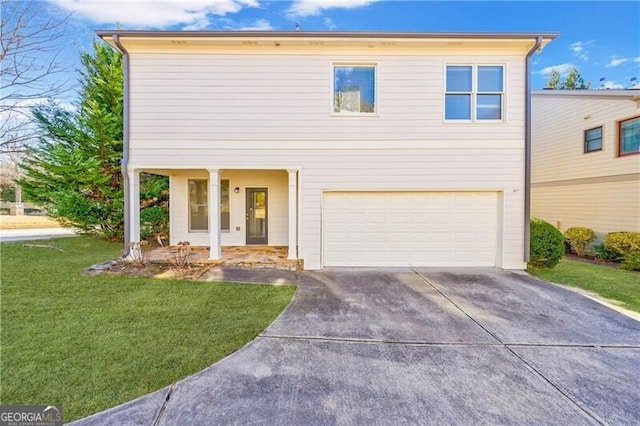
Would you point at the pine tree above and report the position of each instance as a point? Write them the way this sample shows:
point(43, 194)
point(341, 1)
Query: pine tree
point(74, 171)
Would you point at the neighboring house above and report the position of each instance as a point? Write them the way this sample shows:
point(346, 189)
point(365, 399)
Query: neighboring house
point(586, 159)
point(352, 149)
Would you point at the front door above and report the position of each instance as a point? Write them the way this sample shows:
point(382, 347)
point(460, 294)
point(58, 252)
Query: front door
point(257, 216)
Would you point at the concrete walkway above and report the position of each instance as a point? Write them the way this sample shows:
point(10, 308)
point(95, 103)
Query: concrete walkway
point(425, 346)
point(7, 235)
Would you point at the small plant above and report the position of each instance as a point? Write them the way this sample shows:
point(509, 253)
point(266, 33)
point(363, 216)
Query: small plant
point(138, 255)
point(546, 247)
point(627, 246)
point(580, 239)
point(181, 255)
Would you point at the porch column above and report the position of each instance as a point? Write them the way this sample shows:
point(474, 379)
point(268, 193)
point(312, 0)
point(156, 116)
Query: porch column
point(134, 206)
point(214, 214)
point(293, 214)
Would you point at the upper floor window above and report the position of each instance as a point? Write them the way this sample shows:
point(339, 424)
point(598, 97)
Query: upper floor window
point(593, 139)
point(474, 92)
point(354, 89)
point(629, 136)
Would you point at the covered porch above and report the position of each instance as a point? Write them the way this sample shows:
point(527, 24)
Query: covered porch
point(219, 209)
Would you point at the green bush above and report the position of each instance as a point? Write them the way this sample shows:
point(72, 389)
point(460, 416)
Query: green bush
point(154, 220)
point(579, 238)
point(546, 247)
point(603, 253)
point(627, 245)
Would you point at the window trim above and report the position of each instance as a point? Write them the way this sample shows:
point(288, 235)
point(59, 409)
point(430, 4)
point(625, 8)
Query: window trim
point(355, 64)
point(585, 141)
point(200, 231)
point(474, 93)
point(228, 202)
point(619, 137)
point(189, 228)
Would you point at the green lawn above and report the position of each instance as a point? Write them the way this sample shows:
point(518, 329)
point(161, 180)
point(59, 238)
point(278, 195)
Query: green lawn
point(615, 284)
point(92, 342)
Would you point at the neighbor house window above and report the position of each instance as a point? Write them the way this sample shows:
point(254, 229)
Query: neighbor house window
point(629, 136)
point(354, 89)
point(474, 92)
point(593, 139)
point(198, 205)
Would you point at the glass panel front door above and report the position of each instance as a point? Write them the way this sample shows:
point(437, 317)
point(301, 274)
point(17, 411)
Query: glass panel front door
point(257, 216)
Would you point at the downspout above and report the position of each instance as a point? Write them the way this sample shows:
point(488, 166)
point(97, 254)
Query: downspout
point(125, 143)
point(527, 148)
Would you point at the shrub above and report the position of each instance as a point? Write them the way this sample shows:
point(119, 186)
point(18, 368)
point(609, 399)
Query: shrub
point(154, 221)
point(604, 253)
point(547, 244)
point(580, 239)
point(627, 245)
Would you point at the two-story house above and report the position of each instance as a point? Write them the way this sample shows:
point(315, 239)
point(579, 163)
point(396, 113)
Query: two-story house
point(352, 149)
point(586, 159)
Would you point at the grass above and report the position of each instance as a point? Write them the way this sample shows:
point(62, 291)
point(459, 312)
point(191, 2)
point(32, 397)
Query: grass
point(614, 284)
point(92, 342)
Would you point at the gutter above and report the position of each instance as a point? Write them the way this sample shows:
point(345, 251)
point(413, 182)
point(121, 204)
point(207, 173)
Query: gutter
point(527, 148)
point(322, 34)
point(125, 143)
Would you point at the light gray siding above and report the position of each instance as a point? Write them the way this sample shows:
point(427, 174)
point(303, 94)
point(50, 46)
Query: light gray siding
point(238, 111)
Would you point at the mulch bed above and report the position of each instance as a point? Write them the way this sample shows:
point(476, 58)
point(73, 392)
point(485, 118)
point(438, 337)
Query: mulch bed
point(148, 270)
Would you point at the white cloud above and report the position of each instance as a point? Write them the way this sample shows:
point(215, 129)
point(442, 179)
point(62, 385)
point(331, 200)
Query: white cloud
point(612, 85)
point(192, 14)
point(259, 25)
point(561, 68)
point(636, 59)
point(328, 22)
point(579, 49)
point(304, 8)
point(615, 61)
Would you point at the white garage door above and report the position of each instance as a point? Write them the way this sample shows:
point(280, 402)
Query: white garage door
point(410, 228)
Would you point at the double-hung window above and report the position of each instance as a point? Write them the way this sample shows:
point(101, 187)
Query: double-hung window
point(629, 136)
point(593, 139)
point(354, 89)
point(199, 207)
point(474, 93)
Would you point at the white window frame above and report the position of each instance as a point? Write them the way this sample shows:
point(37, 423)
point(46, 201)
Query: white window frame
point(474, 92)
point(375, 67)
point(190, 229)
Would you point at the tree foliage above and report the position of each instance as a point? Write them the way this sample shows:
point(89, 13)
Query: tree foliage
point(572, 81)
point(74, 171)
point(554, 80)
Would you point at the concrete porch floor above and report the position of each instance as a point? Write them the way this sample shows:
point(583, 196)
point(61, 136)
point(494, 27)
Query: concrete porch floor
point(274, 257)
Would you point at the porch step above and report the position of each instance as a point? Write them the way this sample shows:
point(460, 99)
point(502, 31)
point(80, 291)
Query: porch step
point(288, 265)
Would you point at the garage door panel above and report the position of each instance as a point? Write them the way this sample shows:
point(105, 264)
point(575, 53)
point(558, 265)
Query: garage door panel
point(410, 228)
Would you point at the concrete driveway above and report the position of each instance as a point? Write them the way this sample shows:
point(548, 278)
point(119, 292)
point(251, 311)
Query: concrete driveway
point(424, 346)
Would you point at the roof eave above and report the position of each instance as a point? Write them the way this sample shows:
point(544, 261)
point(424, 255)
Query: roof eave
point(325, 34)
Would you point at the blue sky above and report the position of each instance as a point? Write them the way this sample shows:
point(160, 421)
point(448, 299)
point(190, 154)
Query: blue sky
point(600, 38)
